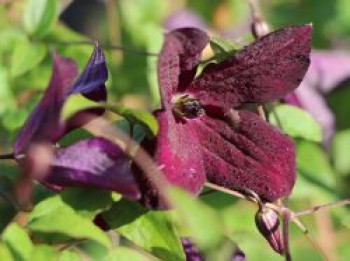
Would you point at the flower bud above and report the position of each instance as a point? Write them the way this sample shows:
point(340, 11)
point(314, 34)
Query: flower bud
point(267, 223)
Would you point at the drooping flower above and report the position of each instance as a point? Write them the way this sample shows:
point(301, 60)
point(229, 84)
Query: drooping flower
point(94, 162)
point(204, 131)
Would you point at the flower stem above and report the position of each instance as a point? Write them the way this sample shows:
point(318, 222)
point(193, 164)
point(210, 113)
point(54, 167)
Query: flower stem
point(322, 206)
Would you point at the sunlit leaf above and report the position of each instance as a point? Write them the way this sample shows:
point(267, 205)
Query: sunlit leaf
point(40, 16)
point(125, 254)
point(5, 253)
point(44, 253)
point(68, 255)
point(6, 96)
point(317, 178)
point(53, 215)
point(18, 242)
point(341, 151)
point(26, 56)
point(296, 122)
point(151, 230)
point(202, 221)
point(222, 47)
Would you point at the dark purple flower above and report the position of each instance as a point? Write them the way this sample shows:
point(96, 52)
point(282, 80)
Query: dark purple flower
point(94, 162)
point(43, 124)
point(204, 131)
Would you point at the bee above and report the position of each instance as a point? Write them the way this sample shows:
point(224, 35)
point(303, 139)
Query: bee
point(187, 107)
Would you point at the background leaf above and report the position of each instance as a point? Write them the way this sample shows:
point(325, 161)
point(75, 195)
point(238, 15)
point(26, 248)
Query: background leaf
point(53, 215)
point(26, 56)
point(40, 16)
point(125, 254)
point(18, 242)
point(340, 150)
point(295, 122)
point(151, 230)
point(145, 119)
point(201, 221)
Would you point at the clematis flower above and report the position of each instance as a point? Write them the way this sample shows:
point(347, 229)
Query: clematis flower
point(94, 162)
point(204, 131)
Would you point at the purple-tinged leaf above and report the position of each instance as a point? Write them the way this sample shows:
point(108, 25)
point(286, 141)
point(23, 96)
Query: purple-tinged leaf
point(266, 70)
point(96, 163)
point(43, 123)
point(245, 152)
point(178, 61)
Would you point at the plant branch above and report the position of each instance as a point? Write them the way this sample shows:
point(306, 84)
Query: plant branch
point(104, 46)
point(320, 207)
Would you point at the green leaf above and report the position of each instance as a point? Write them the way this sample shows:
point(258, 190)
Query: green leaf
point(26, 56)
point(317, 178)
point(145, 119)
point(44, 253)
point(6, 96)
point(40, 16)
point(202, 221)
point(151, 230)
point(222, 48)
point(295, 122)
point(53, 215)
point(69, 255)
point(340, 151)
point(5, 253)
point(18, 242)
point(87, 202)
point(14, 119)
point(76, 103)
point(125, 254)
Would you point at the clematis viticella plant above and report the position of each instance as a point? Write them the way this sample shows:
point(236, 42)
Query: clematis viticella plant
point(94, 162)
point(205, 131)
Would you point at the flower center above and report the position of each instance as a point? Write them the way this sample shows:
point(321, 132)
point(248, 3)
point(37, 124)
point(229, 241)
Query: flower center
point(186, 107)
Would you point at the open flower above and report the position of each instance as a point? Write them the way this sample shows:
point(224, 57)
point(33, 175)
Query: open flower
point(204, 131)
point(94, 162)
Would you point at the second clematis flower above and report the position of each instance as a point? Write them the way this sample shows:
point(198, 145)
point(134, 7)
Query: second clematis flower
point(94, 162)
point(205, 130)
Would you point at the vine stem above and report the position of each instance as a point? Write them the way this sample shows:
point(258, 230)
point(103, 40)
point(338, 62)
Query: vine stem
point(321, 206)
point(284, 212)
point(104, 46)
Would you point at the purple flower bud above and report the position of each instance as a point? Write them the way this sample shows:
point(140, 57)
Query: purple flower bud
point(268, 224)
